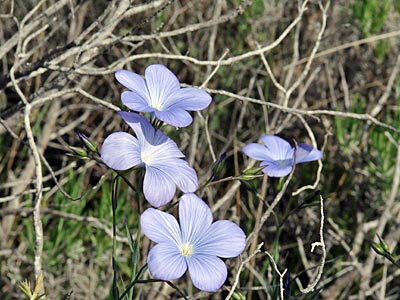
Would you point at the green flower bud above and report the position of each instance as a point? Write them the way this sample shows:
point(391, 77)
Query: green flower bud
point(378, 248)
point(218, 166)
point(250, 174)
point(238, 296)
point(383, 244)
point(381, 248)
point(88, 144)
point(79, 152)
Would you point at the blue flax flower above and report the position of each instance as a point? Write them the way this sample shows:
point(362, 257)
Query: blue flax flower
point(160, 94)
point(154, 151)
point(195, 244)
point(278, 156)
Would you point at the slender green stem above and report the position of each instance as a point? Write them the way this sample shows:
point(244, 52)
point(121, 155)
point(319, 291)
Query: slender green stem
point(114, 204)
point(177, 289)
point(131, 285)
point(128, 182)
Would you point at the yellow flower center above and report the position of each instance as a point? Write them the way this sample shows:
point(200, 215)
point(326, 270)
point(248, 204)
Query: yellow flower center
point(186, 249)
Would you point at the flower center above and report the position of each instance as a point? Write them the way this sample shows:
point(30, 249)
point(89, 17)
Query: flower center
point(186, 249)
point(145, 157)
point(283, 162)
point(157, 106)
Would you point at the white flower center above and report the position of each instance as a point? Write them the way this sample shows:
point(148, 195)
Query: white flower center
point(186, 249)
point(157, 106)
point(145, 157)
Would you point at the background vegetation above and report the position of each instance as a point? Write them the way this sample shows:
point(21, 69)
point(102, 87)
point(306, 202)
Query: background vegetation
point(310, 71)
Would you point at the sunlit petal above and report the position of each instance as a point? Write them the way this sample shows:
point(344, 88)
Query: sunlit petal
point(160, 227)
point(140, 125)
point(174, 117)
point(208, 273)
point(274, 170)
point(224, 239)
point(158, 188)
point(165, 262)
point(134, 82)
point(257, 151)
point(135, 101)
point(188, 99)
point(277, 148)
point(120, 151)
point(180, 173)
point(195, 217)
point(161, 83)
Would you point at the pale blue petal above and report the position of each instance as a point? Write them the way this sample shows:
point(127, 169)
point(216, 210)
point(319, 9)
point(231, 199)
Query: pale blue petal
point(305, 153)
point(120, 151)
point(188, 99)
point(161, 83)
point(195, 218)
point(134, 82)
point(277, 148)
point(166, 262)
point(179, 172)
point(160, 227)
point(159, 148)
point(174, 117)
point(161, 138)
point(140, 125)
point(136, 102)
point(257, 152)
point(208, 273)
point(278, 163)
point(158, 188)
point(273, 170)
point(170, 147)
point(224, 239)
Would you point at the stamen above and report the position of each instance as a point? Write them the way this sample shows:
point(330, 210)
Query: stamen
point(157, 106)
point(186, 249)
point(145, 157)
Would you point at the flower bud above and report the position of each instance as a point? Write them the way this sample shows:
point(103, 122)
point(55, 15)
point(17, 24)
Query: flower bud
point(88, 144)
point(79, 152)
point(381, 248)
point(250, 174)
point(378, 248)
point(238, 296)
point(218, 166)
